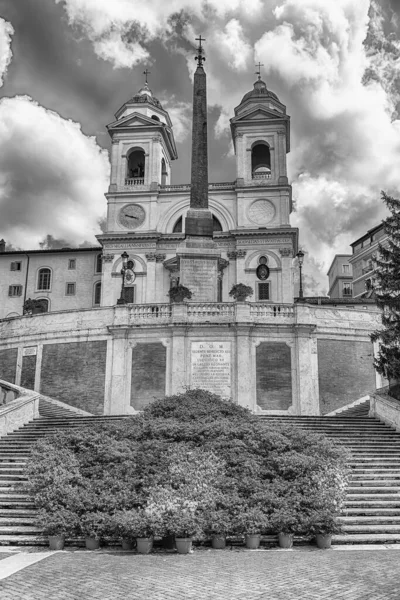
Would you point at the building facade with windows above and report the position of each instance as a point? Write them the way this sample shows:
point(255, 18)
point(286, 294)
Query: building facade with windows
point(365, 251)
point(64, 279)
point(340, 275)
point(117, 341)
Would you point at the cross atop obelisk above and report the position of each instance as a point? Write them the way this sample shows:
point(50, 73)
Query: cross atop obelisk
point(199, 218)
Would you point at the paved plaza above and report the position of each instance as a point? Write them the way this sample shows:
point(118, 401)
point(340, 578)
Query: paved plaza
point(305, 573)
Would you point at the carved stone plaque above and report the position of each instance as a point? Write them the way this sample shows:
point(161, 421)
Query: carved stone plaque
point(200, 276)
point(211, 367)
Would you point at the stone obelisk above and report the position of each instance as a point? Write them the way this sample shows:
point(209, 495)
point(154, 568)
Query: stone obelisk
point(198, 254)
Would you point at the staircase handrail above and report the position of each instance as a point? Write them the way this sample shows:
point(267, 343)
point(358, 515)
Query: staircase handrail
point(21, 410)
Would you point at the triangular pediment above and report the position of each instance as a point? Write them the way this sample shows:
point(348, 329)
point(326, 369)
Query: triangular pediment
point(259, 113)
point(134, 120)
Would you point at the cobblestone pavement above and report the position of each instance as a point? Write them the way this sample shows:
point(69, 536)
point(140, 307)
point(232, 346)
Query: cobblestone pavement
point(5, 555)
point(211, 575)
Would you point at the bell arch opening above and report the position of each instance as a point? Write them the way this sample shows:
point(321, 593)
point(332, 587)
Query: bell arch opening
point(136, 164)
point(260, 161)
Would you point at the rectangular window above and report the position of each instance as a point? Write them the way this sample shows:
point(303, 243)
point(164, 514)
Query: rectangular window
point(15, 290)
point(15, 266)
point(347, 291)
point(263, 291)
point(70, 289)
point(71, 264)
point(346, 268)
point(129, 294)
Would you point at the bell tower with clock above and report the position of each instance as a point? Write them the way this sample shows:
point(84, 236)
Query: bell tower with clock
point(143, 148)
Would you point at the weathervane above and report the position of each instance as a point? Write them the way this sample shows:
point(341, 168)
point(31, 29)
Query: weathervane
point(258, 72)
point(200, 58)
point(146, 72)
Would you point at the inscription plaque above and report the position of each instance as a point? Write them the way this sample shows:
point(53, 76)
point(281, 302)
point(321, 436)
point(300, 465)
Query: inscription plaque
point(200, 276)
point(211, 367)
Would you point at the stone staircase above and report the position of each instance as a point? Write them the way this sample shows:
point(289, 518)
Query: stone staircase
point(17, 511)
point(371, 513)
point(372, 508)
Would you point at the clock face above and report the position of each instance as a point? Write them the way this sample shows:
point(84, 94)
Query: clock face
point(261, 212)
point(132, 216)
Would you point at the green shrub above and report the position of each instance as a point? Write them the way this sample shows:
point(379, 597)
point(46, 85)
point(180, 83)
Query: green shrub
point(196, 448)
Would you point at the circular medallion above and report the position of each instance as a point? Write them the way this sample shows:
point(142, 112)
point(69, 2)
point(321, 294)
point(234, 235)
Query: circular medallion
point(262, 272)
point(132, 216)
point(261, 212)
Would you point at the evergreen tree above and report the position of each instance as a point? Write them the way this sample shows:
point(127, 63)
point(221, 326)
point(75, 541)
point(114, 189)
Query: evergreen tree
point(387, 292)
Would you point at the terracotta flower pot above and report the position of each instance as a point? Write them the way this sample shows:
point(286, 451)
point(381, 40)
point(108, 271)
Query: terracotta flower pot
point(218, 542)
point(183, 545)
point(252, 541)
point(128, 545)
point(56, 542)
point(144, 545)
point(285, 540)
point(92, 543)
point(324, 541)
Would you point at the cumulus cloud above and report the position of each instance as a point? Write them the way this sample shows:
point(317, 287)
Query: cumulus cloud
point(6, 31)
point(52, 177)
point(346, 145)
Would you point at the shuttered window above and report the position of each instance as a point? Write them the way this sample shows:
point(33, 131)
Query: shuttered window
point(15, 290)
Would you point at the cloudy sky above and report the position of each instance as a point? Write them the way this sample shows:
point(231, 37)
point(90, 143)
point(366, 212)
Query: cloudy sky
point(66, 66)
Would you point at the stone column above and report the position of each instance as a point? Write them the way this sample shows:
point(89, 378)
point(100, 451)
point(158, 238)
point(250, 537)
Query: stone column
point(240, 275)
point(114, 163)
point(150, 291)
point(180, 361)
point(244, 374)
point(118, 373)
point(307, 370)
point(286, 273)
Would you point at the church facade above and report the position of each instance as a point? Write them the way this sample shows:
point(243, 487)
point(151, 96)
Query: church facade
point(111, 343)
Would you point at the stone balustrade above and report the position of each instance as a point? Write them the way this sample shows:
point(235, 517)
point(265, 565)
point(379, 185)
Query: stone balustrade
point(18, 406)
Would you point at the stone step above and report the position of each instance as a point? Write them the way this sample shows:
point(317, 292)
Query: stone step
point(13, 520)
point(361, 528)
point(366, 538)
point(367, 502)
point(373, 490)
point(23, 540)
point(19, 529)
point(370, 520)
point(15, 477)
point(377, 482)
point(18, 512)
point(376, 496)
point(379, 512)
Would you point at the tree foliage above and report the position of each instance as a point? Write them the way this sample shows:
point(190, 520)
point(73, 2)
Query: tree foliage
point(387, 292)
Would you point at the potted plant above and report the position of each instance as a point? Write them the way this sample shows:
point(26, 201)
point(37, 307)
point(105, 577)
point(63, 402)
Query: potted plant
point(287, 521)
point(323, 524)
point(178, 293)
point(93, 526)
point(186, 525)
point(251, 522)
point(240, 292)
point(57, 525)
point(219, 525)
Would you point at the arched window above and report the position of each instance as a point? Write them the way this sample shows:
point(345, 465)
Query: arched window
point(41, 306)
point(164, 172)
point(178, 225)
point(155, 117)
point(260, 161)
point(97, 293)
point(136, 162)
point(44, 279)
point(99, 264)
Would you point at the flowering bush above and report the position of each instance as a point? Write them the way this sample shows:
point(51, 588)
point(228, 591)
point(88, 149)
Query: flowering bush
point(325, 522)
point(94, 525)
point(251, 520)
point(219, 522)
point(60, 522)
point(131, 524)
point(240, 292)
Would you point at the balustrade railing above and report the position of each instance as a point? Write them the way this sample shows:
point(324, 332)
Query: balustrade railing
point(211, 312)
point(215, 310)
point(262, 175)
point(261, 310)
point(150, 311)
point(134, 181)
